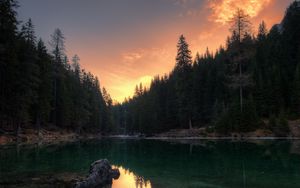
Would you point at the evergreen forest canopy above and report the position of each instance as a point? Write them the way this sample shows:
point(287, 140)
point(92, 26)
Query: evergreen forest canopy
point(253, 79)
point(40, 88)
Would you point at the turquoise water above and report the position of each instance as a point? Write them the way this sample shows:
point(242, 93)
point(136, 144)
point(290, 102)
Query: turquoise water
point(164, 164)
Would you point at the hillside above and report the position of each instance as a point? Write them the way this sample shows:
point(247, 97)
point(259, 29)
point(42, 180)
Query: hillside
point(251, 81)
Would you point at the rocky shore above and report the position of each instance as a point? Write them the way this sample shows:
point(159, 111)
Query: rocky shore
point(30, 136)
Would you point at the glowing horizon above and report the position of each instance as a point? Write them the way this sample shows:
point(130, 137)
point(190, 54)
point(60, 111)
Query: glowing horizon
point(124, 45)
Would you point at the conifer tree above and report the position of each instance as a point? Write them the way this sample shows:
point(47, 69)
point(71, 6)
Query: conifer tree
point(42, 107)
point(27, 32)
point(58, 50)
point(241, 28)
point(8, 58)
point(182, 72)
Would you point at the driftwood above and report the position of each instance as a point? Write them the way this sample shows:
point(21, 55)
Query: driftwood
point(100, 175)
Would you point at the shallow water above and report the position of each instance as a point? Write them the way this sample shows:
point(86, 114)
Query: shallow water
point(163, 164)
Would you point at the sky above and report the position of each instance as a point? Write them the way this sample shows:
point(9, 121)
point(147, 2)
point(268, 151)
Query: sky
point(125, 42)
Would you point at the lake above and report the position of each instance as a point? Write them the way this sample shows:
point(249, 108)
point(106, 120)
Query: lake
point(162, 164)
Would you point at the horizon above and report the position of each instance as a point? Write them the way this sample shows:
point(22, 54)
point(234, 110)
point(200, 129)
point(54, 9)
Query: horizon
point(132, 44)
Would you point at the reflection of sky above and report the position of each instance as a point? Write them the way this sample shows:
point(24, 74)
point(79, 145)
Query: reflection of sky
point(125, 42)
point(128, 179)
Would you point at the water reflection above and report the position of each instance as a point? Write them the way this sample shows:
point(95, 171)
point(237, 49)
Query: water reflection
point(166, 164)
point(128, 179)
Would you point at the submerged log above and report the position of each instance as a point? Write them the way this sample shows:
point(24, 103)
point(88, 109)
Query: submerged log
point(100, 175)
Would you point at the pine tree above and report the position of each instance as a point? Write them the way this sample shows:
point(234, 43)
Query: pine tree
point(183, 58)
point(27, 32)
point(58, 45)
point(241, 28)
point(42, 107)
point(183, 74)
point(58, 50)
point(8, 58)
point(8, 21)
point(262, 31)
point(107, 98)
point(76, 66)
point(260, 70)
point(29, 72)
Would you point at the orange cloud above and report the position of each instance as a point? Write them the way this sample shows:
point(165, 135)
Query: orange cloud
point(136, 66)
point(223, 9)
point(120, 67)
point(132, 56)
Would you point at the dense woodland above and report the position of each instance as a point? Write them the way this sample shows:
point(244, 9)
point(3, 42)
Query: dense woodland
point(252, 82)
point(255, 77)
point(41, 88)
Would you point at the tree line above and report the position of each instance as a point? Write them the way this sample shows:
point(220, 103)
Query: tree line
point(252, 79)
point(41, 88)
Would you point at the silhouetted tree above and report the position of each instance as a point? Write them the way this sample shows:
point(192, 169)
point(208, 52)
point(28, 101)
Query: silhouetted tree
point(183, 74)
point(241, 28)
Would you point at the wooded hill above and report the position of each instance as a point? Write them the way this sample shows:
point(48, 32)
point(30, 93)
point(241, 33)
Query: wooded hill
point(41, 88)
point(253, 78)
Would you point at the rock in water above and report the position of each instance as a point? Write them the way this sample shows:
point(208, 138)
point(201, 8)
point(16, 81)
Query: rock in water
point(101, 174)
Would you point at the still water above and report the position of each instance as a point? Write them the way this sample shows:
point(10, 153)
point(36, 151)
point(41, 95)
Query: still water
point(164, 164)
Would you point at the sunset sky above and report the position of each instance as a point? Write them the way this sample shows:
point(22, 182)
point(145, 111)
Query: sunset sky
point(125, 42)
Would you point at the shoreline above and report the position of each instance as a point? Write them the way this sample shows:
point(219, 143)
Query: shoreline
point(63, 136)
point(45, 137)
point(200, 138)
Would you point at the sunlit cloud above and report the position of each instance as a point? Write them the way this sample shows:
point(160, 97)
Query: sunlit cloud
point(205, 35)
point(137, 66)
point(132, 56)
point(223, 9)
point(147, 46)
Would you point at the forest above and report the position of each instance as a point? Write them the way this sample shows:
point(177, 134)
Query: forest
point(41, 88)
point(252, 82)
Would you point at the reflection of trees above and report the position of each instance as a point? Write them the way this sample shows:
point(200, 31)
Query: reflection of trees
point(219, 163)
point(126, 171)
point(139, 181)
